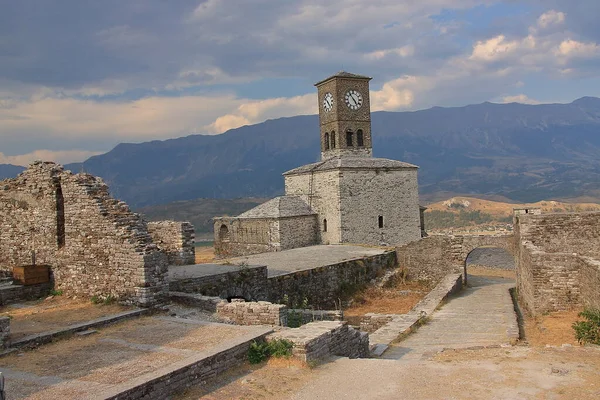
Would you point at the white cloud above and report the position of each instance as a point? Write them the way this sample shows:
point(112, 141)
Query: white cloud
point(520, 98)
point(550, 18)
point(60, 156)
point(573, 48)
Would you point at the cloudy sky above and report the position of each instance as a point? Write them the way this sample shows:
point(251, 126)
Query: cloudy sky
point(79, 76)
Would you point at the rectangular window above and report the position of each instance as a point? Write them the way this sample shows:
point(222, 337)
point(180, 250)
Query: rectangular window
point(349, 139)
point(360, 141)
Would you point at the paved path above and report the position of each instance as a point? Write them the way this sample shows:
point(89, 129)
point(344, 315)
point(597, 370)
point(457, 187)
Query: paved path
point(481, 315)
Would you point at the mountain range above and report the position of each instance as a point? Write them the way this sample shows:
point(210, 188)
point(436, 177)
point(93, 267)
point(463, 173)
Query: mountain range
point(514, 151)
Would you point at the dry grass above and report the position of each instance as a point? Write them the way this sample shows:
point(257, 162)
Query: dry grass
point(552, 329)
point(53, 313)
point(398, 299)
point(205, 255)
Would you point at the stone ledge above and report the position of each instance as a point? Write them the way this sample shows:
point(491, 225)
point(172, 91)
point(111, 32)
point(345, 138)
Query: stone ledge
point(165, 382)
point(401, 324)
point(205, 303)
point(316, 341)
point(48, 336)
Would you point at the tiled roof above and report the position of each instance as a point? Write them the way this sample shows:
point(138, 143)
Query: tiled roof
point(347, 162)
point(279, 207)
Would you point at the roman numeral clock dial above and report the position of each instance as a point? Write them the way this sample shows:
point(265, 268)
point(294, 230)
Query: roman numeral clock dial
point(354, 99)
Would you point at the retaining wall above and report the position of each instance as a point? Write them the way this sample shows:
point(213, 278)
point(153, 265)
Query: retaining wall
point(176, 240)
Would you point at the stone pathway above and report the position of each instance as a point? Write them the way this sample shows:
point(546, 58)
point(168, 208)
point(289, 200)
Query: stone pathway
point(481, 315)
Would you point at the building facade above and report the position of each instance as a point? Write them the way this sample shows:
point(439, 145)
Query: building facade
point(349, 196)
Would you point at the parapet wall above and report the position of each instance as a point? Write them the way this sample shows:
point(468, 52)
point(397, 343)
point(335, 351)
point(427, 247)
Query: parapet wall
point(558, 261)
point(94, 244)
point(176, 240)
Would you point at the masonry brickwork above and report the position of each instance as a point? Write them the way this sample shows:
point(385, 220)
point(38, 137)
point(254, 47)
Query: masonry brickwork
point(253, 313)
point(244, 236)
point(176, 240)
point(558, 260)
point(94, 244)
point(4, 331)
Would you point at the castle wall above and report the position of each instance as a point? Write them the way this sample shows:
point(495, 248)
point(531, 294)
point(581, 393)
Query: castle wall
point(367, 194)
point(176, 240)
point(321, 191)
point(93, 243)
point(558, 260)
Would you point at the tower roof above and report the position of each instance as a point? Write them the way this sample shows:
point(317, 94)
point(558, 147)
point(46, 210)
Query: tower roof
point(279, 207)
point(348, 162)
point(343, 74)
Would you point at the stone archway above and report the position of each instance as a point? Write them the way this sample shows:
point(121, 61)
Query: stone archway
point(490, 261)
point(463, 245)
point(224, 235)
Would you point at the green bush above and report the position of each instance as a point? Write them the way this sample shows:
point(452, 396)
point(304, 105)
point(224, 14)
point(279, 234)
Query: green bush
point(261, 351)
point(588, 331)
point(258, 352)
point(56, 292)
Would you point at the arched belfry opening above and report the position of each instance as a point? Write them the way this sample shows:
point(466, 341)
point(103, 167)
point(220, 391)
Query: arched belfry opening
point(326, 141)
point(60, 216)
point(349, 138)
point(360, 139)
point(332, 138)
point(224, 235)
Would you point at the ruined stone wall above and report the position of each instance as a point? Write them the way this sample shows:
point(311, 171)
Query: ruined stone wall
point(249, 283)
point(94, 244)
point(320, 190)
point(253, 313)
point(589, 276)
point(176, 240)
point(4, 331)
point(557, 266)
point(245, 236)
point(563, 232)
point(322, 287)
point(368, 194)
point(433, 257)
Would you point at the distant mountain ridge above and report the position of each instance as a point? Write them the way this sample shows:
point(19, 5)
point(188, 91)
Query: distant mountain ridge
point(522, 152)
point(10, 171)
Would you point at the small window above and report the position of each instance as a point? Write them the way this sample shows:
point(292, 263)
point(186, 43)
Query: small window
point(332, 137)
point(326, 141)
point(360, 141)
point(349, 138)
point(381, 221)
point(324, 225)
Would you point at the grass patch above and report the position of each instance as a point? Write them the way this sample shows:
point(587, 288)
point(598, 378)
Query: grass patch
point(262, 351)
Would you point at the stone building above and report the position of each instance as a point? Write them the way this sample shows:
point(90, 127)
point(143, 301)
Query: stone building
point(93, 243)
point(347, 197)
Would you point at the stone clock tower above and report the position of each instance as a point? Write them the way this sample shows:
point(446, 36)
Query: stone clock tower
point(345, 115)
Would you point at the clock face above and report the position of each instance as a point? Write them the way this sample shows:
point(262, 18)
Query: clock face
point(353, 99)
point(328, 102)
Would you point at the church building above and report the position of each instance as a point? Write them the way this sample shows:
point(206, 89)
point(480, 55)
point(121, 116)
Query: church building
point(347, 197)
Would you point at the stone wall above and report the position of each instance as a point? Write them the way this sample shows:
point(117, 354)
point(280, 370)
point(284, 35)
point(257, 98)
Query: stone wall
point(4, 331)
point(298, 232)
point(326, 203)
point(253, 313)
point(322, 287)
point(431, 258)
point(557, 260)
point(318, 340)
point(176, 240)
point(242, 236)
point(249, 283)
point(370, 193)
point(589, 277)
point(15, 293)
point(94, 244)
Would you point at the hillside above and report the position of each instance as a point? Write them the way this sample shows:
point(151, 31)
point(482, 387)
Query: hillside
point(9, 171)
point(519, 152)
point(478, 215)
point(199, 212)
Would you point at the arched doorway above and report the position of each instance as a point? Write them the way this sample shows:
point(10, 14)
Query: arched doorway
point(490, 261)
point(224, 235)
